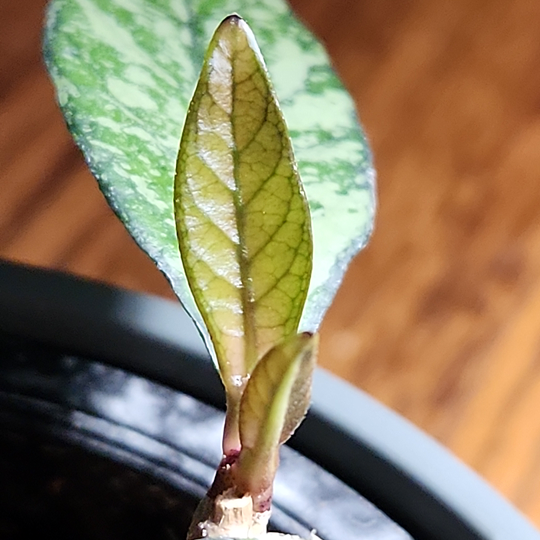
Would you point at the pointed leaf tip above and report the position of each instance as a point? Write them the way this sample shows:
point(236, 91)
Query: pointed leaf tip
point(233, 18)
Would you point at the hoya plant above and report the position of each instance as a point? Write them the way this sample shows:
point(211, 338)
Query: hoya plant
point(206, 182)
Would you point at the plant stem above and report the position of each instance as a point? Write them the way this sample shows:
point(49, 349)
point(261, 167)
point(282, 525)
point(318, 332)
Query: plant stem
point(231, 431)
point(226, 511)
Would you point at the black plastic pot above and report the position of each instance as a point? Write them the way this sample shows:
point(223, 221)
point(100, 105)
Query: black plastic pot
point(109, 428)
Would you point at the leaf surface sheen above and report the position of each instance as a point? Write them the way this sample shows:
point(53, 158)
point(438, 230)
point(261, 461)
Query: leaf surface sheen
point(242, 219)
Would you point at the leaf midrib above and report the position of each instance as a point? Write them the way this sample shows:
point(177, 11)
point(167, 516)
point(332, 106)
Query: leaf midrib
point(246, 291)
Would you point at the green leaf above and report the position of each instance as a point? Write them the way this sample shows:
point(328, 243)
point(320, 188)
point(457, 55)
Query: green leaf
point(124, 72)
point(275, 401)
point(242, 219)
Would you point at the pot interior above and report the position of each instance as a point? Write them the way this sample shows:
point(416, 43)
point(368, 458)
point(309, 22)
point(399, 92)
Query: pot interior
point(95, 453)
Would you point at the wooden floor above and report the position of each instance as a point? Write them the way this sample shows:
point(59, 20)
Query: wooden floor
point(440, 316)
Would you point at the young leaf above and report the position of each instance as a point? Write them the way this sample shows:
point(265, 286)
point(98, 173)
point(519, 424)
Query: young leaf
point(242, 219)
point(124, 73)
point(274, 403)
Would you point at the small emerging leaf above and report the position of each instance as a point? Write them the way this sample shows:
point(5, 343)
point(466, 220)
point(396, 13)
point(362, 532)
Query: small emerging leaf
point(274, 403)
point(242, 218)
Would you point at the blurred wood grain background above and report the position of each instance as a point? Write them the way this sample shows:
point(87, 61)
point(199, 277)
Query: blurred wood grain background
point(439, 318)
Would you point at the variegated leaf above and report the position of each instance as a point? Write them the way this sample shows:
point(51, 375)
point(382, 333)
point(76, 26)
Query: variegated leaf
point(125, 70)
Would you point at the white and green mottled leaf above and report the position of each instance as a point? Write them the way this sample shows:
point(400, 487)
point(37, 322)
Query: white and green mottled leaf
point(125, 71)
